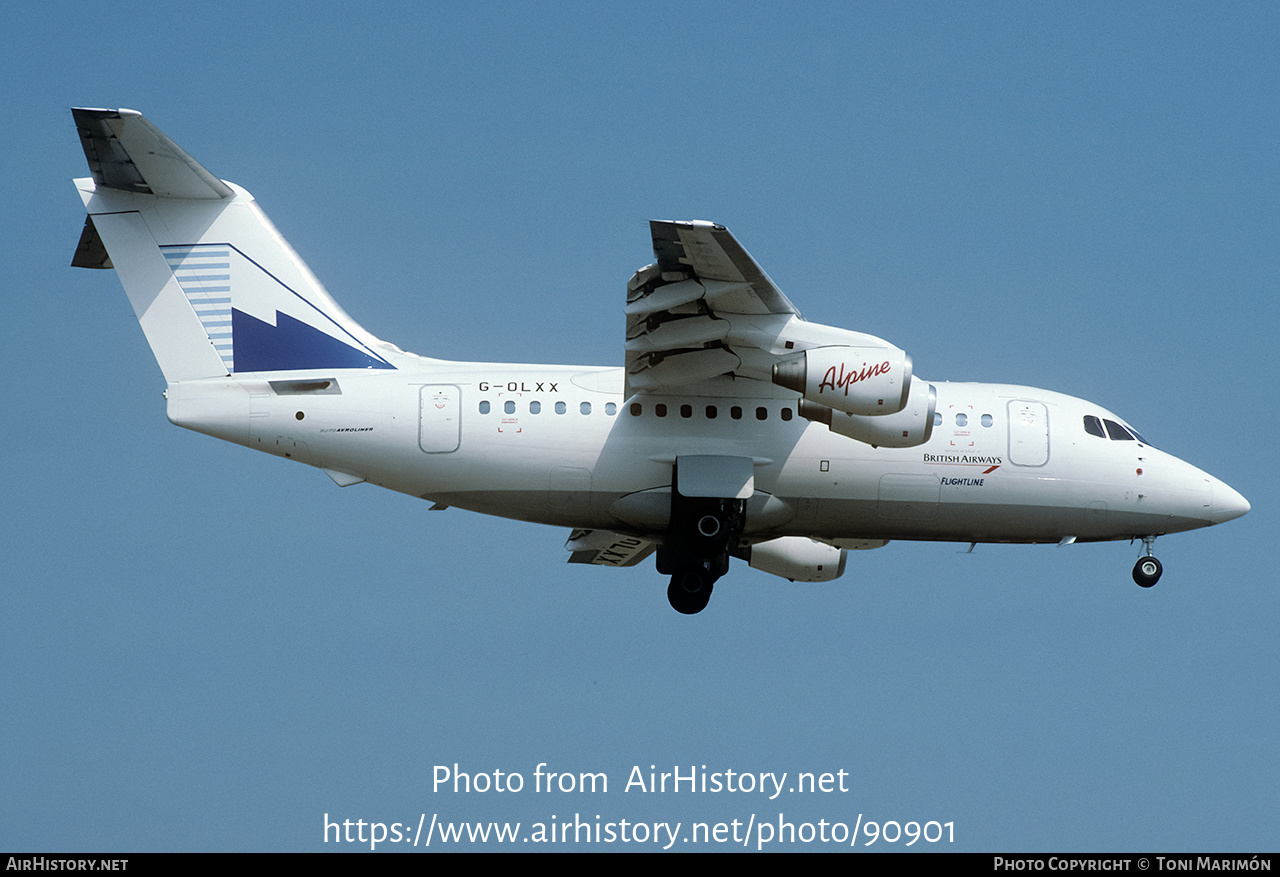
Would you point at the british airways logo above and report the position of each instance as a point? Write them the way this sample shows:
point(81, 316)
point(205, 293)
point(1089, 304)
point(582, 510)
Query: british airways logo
point(963, 458)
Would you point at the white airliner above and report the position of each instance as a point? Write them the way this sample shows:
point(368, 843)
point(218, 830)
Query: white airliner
point(735, 429)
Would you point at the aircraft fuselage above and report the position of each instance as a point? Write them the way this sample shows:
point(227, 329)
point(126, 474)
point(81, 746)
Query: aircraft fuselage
point(559, 445)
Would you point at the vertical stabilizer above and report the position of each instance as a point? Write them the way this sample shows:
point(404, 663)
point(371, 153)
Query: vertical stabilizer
point(216, 288)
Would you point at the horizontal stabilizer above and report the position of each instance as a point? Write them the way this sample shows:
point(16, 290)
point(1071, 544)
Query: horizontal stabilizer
point(128, 153)
point(606, 548)
point(90, 252)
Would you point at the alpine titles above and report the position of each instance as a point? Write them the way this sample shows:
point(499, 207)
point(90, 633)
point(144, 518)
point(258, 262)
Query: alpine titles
point(836, 380)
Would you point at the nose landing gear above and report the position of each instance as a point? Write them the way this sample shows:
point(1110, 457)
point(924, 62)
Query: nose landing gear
point(1146, 572)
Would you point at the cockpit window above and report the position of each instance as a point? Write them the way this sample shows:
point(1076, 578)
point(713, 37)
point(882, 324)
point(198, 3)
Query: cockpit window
point(1117, 432)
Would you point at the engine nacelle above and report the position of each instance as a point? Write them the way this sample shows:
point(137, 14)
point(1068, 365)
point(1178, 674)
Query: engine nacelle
point(798, 558)
point(908, 428)
point(868, 381)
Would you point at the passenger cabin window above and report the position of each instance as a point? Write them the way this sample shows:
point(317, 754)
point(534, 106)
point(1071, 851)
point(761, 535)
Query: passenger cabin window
point(484, 406)
point(736, 412)
point(686, 411)
point(585, 407)
point(987, 420)
point(610, 408)
point(509, 407)
point(660, 409)
point(962, 419)
point(711, 412)
point(636, 409)
point(535, 407)
point(560, 408)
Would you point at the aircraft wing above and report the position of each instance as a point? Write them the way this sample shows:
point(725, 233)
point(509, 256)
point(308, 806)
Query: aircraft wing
point(686, 312)
point(711, 252)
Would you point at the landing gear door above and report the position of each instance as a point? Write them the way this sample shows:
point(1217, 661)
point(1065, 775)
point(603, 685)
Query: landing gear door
point(1028, 433)
point(439, 418)
point(715, 476)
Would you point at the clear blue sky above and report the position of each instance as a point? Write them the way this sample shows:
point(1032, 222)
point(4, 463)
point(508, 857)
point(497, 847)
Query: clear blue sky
point(209, 649)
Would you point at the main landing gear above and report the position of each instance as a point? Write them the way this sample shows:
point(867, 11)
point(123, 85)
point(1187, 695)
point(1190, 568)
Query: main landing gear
point(690, 590)
point(696, 550)
point(1146, 572)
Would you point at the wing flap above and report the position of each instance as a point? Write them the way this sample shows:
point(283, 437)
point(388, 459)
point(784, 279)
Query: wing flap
point(681, 310)
point(682, 333)
point(679, 368)
point(664, 298)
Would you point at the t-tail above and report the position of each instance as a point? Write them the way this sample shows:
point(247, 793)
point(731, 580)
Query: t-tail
point(216, 288)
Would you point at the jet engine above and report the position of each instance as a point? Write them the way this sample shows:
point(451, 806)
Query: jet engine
point(909, 427)
point(869, 381)
point(797, 558)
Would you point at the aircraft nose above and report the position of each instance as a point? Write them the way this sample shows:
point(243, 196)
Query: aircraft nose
point(1227, 503)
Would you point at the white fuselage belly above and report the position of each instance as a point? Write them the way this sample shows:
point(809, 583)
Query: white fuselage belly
point(559, 445)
